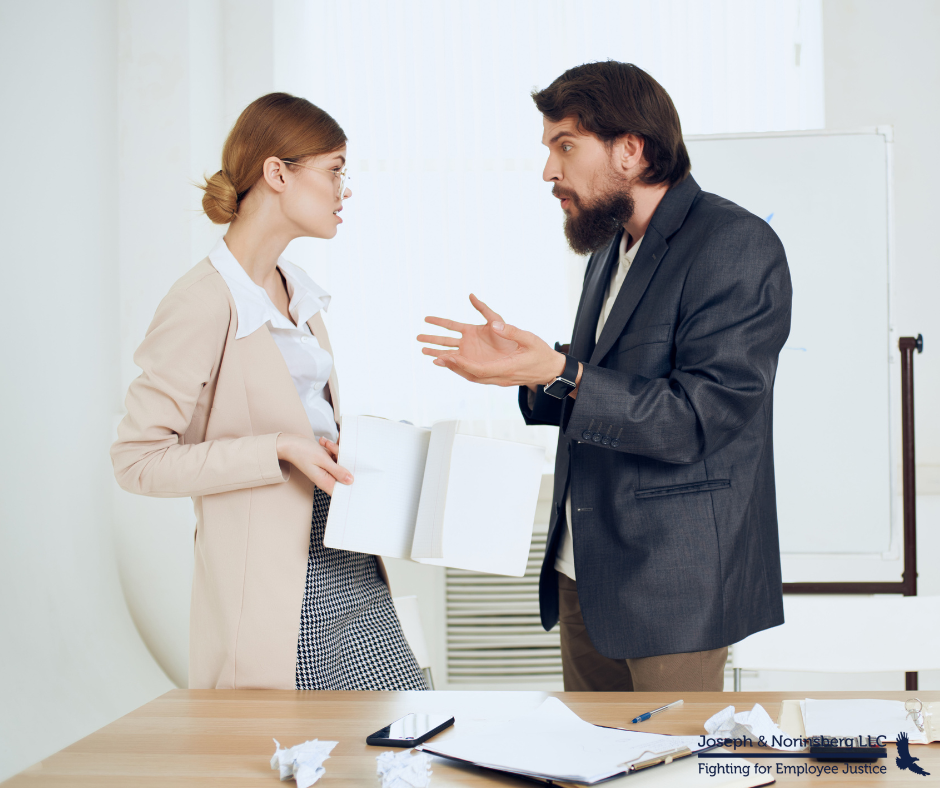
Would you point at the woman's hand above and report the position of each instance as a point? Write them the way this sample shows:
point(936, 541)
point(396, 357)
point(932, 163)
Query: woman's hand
point(332, 448)
point(312, 460)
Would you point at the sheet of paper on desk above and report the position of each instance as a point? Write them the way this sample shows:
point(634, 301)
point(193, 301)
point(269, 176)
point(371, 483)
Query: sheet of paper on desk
point(553, 742)
point(849, 718)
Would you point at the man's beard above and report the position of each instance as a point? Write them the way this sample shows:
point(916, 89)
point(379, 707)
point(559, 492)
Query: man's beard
point(594, 225)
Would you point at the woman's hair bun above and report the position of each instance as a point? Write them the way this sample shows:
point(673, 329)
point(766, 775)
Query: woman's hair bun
point(220, 201)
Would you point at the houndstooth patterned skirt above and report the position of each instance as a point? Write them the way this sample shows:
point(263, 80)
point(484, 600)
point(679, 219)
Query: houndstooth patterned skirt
point(350, 637)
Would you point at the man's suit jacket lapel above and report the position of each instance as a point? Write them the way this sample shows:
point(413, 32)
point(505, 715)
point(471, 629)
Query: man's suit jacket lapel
point(595, 287)
point(634, 285)
point(585, 324)
point(668, 218)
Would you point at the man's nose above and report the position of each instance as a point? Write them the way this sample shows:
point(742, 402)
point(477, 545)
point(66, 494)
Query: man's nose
point(551, 173)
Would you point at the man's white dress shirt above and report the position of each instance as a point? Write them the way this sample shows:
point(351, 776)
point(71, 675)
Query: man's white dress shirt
point(308, 363)
point(564, 557)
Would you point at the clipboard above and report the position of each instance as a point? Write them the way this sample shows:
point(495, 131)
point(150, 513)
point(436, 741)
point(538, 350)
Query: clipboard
point(551, 745)
point(683, 772)
point(661, 758)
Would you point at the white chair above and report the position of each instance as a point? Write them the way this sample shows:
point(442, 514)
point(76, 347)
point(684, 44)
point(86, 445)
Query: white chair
point(846, 634)
point(410, 618)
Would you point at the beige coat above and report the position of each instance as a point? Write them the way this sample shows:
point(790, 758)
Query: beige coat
point(202, 421)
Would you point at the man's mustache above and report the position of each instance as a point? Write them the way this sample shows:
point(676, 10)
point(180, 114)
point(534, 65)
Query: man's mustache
point(563, 194)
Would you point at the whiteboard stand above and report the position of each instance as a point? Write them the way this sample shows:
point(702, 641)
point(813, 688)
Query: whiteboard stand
point(908, 584)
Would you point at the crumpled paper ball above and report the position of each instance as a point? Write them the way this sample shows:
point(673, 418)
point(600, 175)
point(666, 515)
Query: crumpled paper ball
point(755, 723)
point(303, 762)
point(404, 769)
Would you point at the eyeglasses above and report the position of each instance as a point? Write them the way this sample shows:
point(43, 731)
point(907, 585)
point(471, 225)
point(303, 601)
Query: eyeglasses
point(342, 174)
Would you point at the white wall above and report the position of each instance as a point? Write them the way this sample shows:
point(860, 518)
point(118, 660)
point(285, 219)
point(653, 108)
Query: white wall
point(882, 67)
point(70, 658)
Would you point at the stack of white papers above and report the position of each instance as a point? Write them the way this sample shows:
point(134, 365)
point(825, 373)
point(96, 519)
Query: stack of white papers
point(552, 742)
point(435, 496)
point(853, 718)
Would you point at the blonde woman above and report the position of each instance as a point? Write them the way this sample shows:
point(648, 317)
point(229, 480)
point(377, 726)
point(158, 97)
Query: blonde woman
point(237, 406)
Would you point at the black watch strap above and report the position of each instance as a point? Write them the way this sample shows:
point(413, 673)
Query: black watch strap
point(565, 383)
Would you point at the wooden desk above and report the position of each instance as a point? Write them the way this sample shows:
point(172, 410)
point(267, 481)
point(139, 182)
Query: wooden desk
point(223, 737)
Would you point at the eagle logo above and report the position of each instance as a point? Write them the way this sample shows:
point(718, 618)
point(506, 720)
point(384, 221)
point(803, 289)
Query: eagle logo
point(905, 760)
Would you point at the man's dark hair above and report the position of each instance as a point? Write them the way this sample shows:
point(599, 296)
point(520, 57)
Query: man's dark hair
point(611, 99)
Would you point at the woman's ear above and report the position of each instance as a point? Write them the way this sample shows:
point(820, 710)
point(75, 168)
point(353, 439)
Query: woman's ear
point(274, 172)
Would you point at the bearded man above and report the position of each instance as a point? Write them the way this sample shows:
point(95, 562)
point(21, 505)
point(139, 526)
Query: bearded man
point(662, 548)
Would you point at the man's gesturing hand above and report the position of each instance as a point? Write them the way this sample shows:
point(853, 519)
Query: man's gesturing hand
point(494, 353)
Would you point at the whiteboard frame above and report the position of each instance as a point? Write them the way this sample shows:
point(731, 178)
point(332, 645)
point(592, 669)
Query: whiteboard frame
point(887, 566)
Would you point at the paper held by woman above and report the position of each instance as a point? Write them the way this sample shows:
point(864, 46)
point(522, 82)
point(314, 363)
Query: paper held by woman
point(435, 496)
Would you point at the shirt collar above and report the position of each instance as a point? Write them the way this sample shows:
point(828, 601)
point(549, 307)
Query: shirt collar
point(252, 303)
point(627, 257)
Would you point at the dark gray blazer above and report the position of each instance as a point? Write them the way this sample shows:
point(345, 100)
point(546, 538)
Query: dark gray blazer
point(668, 448)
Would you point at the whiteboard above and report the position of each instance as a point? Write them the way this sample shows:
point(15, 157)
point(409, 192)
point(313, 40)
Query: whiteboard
point(827, 196)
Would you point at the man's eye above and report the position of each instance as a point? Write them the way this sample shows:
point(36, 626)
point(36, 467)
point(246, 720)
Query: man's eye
point(566, 148)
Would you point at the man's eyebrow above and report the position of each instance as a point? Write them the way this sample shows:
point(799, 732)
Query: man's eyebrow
point(561, 134)
point(342, 158)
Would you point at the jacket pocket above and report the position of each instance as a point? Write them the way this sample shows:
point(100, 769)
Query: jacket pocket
point(682, 489)
point(644, 336)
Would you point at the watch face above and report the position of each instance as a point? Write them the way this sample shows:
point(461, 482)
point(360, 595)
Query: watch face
point(559, 389)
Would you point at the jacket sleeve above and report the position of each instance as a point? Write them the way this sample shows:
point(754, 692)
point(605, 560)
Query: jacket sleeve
point(178, 356)
point(539, 408)
point(734, 318)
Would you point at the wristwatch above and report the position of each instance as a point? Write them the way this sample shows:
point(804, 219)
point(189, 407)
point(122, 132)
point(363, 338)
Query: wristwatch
point(565, 383)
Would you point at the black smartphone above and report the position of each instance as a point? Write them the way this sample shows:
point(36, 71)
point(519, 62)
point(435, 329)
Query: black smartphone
point(410, 730)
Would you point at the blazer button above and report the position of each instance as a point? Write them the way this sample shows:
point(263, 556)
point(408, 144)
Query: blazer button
point(596, 437)
point(614, 444)
point(586, 435)
point(605, 441)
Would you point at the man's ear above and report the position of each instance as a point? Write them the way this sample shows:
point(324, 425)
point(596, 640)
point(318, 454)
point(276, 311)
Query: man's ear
point(628, 153)
point(273, 171)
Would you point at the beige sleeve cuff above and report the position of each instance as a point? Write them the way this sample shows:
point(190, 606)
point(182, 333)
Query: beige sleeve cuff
point(272, 469)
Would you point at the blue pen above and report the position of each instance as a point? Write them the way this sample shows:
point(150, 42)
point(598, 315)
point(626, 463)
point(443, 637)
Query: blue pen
point(644, 717)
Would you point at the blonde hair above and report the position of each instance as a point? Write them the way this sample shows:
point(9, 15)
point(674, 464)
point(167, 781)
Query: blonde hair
point(277, 124)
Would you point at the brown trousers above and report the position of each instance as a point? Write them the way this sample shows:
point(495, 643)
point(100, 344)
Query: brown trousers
point(585, 670)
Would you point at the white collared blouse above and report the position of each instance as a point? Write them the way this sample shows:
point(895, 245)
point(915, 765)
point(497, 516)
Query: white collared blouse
point(309, 364)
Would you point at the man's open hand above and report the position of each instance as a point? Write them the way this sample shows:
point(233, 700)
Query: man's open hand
point(494, 352)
